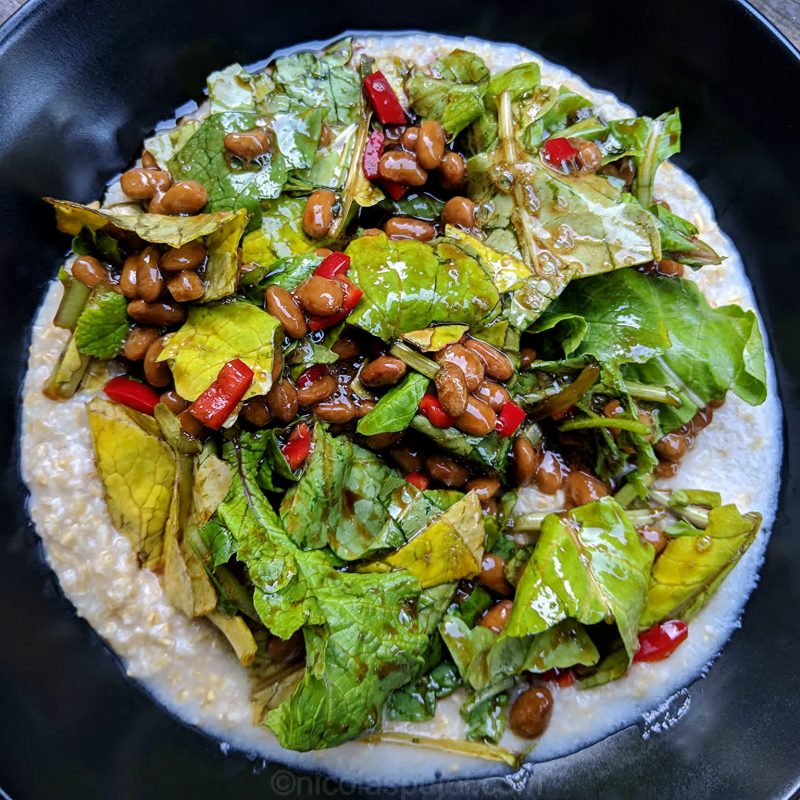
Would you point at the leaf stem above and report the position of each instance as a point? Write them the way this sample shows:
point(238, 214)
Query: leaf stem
point(653, 394)
point(697, 515)
point(415, 360)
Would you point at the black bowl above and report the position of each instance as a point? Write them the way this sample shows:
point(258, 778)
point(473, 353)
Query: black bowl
point(81, 83)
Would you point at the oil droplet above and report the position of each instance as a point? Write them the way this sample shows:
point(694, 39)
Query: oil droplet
point(564, 239)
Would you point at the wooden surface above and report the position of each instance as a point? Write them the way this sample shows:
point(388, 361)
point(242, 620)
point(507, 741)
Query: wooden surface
point(784, 13)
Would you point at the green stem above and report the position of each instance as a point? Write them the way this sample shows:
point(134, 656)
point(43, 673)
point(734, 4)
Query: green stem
point(695, 514)
point(351, 182)
point(628, 493)
point(532, 521)
point(521, 216)
point(653, 394)
point(632, 425)
point(567, 396)
point(425, 366)
point(73, 301)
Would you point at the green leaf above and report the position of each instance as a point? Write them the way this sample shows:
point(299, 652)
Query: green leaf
point(589, 564)
point(564, 106)
point(298, 136)
point(103, 324)
point(395, 410)
point(323, 81)
point(347, 498)
point(433, 339)
point(422, 206)
point(230, 184)
point(137, 470)
point(462, 66)
point(519, 80)
point(287, 272)
point(409, 285)
point(561, 226)
point(275, 464)
point(98, 244)
point(350, 619)
point(488, 452)
point(236, 89)
point(484, 659)
point(663, 141)
point(690, 568)
point(663, 332)
point(614, 318)
point(449, 549)
point(486, 721)
point(214, 335)
point(679, 240)
point(455, 99)
point(417, 701)
point(281, 234)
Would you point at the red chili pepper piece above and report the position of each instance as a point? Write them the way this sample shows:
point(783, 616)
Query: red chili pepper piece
point(297, 446)
point(419, 480)
point(431, 408)
point(372, 155)
point(131, 393)
point(334, 266)
point(561, 677)
point(393, 189)
point(509, 419)
point(352, 294)
point(558, 150)
point(383, 99)
point(661, 640)
point(312, 374)
point(217, 402)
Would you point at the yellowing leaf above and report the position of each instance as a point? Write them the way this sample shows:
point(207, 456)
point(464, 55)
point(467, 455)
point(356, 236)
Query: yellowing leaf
point(449, 549)
point(238, 634)
point(214, 335)
point(186, 582)
point(212, 479)
point(691, 568)
point(281, 233)
point(137, 471)
point(435, 338)
point(156, 228)
point(509, 272)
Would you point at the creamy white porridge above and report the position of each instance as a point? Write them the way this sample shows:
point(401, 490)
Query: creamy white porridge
point(189, 667)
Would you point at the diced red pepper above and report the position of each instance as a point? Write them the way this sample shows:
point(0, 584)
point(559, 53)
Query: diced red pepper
point(431, 408)
point(393, 189)
point(558, 150)
point(509, 419)
point(372, 155)
point(297, 446)
point(334, 266)
point(383, 100)
point(661, 640)
point(561, 677)
point(309, 376)
point(131, 393)
point(419, 480)
point(352, 294)
point(218, 402)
